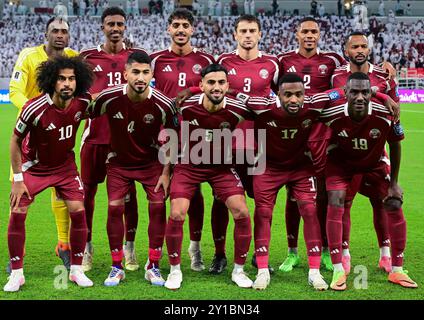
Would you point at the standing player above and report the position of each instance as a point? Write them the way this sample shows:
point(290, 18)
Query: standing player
point(254, 73)
point(356, 49)
point(361, 128)
point(108, 61)
point(136, 113)
point(42, 156)
point(316, 68)
point(23, 87)
point(176, 69)
point(287, 121)
point(209, 116)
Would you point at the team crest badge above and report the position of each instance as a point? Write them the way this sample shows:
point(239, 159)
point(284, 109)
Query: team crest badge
point(306, 123)
point(264, 74)
point(322, 69)
point(148, 118)
point(224, 125)
point(375, 133)
point(197, 68)
point(77, 116)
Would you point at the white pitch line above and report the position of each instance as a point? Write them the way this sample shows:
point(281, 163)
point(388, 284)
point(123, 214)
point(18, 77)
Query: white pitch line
point(412, 111)
point(414, 131)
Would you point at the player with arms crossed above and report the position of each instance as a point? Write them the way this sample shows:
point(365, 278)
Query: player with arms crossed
point(208, 115)
point(175, 69)
point(23, 87)
point(357, 50)
point(361, 128)
point(108, 62)
point(136, 114)
point(42, 156)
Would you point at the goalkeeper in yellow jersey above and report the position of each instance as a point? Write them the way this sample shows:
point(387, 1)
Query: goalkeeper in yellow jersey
point(23, 87)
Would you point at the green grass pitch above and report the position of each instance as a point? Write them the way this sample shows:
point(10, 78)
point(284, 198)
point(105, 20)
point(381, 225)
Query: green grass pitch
point(40, 261)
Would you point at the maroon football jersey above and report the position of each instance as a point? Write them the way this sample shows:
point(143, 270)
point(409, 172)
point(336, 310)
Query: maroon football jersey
point(174, 73)
point(378, 78)
point(49, 134)
point(286, 135)
point(254, 77)
point(359, 145)
point(316, 71)
point(109, 71)
point(209, 125)
point(134, 126)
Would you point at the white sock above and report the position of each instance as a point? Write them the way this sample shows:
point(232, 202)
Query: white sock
point(176, 267)
point(345, 252)
point(75, 267)
point(313, 272)
point(129, 245)
point(292, 250)
point(194, 246)
point(238, 267)
point(89, 246)
point(263, 270)
point(397, 269)
point(21, 271)
point(338, 267)
point(384, 252)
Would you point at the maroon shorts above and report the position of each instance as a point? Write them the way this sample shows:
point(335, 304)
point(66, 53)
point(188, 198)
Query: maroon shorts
point(299, 182)
point(93, 162)
point(376, 180)
point(119, 180)
point(317, 143)
point(68, 186)
point(224, 181)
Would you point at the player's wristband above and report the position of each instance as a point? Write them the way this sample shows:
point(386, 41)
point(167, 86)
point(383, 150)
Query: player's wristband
point(195, 90)
point(18, 177)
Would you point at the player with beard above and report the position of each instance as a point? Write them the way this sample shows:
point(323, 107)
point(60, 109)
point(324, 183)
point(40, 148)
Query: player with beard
point(209, 116)
point(42, 156)
point(356, 49)
point(136, 113)
point(23, 87)
point(108, 62)
point(175, 69)
point(360, 129)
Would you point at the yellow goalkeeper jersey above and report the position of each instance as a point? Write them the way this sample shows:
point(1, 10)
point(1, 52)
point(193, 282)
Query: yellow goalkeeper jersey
point(23, 84)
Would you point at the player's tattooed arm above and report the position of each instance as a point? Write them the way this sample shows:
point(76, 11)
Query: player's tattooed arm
point(394, 192)
point(18, 186)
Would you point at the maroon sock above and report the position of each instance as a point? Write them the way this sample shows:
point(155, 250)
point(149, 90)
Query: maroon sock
point(397, 230)
point(131, 214)
point(311, 228)
point(90, 191)
point(115, 233)
point(262, 232)
point(196, 213)
point(380, 223)
point(322, 202)
point(334, 232)
point(78, 236)
point(292, 222)
point(346, 224)
point(242, 238)
point(16, 239)
point(156, 231)
point(219, 221)
point(174, 240)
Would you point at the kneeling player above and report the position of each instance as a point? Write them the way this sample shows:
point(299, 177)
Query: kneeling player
point(42, 156)
point(209, 115)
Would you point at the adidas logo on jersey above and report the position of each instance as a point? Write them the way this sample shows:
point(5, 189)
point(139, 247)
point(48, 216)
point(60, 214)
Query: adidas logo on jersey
point(315, 249)
point(118, 116)
point(262, 249)
point(50, 127)
point(291, 69)
point(343, 134)
point(167, 69)
point(194, 122)
point(98, 69)
point(272, 124)
point(232, 72)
